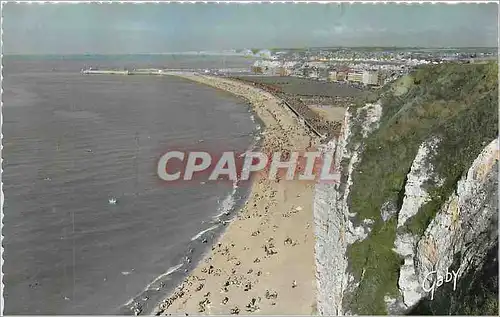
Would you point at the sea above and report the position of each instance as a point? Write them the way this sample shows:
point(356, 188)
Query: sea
point(72, 143)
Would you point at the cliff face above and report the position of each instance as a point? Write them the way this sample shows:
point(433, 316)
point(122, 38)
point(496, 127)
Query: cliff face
point(416, 213)
point(465, 226)
point(334, 229)
point(415, 196)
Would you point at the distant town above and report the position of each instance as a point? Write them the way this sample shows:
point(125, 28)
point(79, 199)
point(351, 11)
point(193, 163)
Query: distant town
point(358, 67)
point(366, 67)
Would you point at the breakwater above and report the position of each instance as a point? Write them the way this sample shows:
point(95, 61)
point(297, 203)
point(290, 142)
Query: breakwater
point(149, 71)
point(161, 71)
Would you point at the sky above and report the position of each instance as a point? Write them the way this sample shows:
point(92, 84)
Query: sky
point(162, 28)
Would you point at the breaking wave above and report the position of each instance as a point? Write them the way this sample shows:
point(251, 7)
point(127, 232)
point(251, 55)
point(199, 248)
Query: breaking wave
point(201, 233)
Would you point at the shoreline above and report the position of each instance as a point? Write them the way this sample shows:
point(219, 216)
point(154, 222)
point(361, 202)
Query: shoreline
point(146, 302)
point(263, 261)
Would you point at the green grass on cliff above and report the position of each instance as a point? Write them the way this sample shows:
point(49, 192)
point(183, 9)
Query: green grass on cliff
point(456, 102)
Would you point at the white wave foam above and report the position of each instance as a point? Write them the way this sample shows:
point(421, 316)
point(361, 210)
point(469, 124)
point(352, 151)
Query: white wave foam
point(148, 287)
point(203, 232)
point(228, 203)
point(252, 146)
point(167, 273)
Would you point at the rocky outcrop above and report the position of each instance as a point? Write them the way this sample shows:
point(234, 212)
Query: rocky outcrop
point(420, 173)
point(415, 197)
point(464, 226)
point(330, 249)
point(333, 227)
point(412, 228)
point(372, 118)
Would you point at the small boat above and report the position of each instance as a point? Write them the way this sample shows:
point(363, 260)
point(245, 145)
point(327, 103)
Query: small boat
point(112, 201)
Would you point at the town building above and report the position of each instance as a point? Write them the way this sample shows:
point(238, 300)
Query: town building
point(313, 73)
point(323, 73)
point(341, 75)
point(283, 71)
point(370, 78)
point(355, 76)
point(332, 75)
point(257, 70)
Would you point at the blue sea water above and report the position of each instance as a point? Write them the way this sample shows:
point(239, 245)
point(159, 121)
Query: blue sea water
point(72, 142)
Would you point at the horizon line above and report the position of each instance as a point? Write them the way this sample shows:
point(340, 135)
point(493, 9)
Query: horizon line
point(236, 51)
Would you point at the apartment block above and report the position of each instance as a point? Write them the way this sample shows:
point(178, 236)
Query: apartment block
point(370, 78)
point(355, 77)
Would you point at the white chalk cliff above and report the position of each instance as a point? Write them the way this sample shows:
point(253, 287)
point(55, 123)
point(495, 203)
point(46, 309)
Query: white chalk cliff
point(415, 197)
point(334, 231)
point(466, 224)
point(458, 228)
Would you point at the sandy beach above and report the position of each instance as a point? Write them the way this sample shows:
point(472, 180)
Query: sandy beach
point(264, 261)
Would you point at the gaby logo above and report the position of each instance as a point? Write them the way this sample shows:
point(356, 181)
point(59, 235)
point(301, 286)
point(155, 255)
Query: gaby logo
point(432, 281)
point(178, 165)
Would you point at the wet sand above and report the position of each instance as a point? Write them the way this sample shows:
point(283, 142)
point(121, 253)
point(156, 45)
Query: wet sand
point(264, 261)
